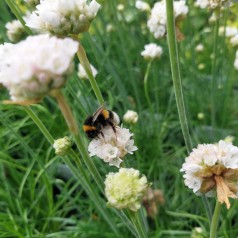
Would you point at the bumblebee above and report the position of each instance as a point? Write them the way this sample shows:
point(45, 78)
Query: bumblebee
point(94, 124)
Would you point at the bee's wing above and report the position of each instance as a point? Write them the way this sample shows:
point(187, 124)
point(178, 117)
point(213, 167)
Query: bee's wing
point(97, 113)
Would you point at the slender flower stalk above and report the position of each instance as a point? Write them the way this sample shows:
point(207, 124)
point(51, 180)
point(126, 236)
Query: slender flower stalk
point(86, 65)
point(174, 61)
point(214, 76)
point(79, 171)
point(146, 84)
point(215, 218)
point(137, 221)
point(70, 120)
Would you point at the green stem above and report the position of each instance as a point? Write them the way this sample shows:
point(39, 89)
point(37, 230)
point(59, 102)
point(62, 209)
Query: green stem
point(137, 221)
point(86, 65)
point(215, 218)
point(146, 83)
point(70, 120)
point(207, 208)
point(174, 61)
point(79, 172)
point(214, 78)
point(40, 125)
point(17, 13)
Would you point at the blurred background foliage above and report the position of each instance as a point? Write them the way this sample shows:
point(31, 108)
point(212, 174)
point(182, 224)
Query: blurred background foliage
point(39, 195)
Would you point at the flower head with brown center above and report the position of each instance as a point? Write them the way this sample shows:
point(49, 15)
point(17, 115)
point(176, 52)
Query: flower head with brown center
point(212, 169)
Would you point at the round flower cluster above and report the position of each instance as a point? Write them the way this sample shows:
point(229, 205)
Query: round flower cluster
point(142, 6)
point(130, 117)
point(199, 48)
point(112, 146)
point(35, 66)
point(15, 31)
point(62, 146)
point(157, 21)
point(212, 169)
point(210, 3)
point(125, 189)
point(82, 74)
point(231, 33)
point(152, 51)
point(62, 17)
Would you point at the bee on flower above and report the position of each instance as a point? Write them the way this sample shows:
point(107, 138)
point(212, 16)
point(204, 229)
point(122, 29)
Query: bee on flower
point(109, 142)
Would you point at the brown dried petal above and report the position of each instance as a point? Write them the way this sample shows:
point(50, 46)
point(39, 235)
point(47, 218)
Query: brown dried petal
point(217, 169)
point(223, 191)
point(207, 185)
point(231, 174)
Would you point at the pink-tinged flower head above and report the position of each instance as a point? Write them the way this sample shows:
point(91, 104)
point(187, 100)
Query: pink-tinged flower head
point(35, 66)
point(111, 146)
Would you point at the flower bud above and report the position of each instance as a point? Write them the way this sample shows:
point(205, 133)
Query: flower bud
point(62, 146)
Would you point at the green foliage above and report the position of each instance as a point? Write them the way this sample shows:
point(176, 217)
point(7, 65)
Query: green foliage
point(41, 197)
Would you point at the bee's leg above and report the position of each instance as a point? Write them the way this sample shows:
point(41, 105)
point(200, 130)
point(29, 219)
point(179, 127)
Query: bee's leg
point(102, 136)
point(113, 128)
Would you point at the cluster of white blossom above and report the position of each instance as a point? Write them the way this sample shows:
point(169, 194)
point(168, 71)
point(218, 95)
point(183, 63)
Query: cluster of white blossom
point(62, 146)
point(212, 169)
point(112, 146)
point(125, 189)
point(157, 20)
point(199, 48)
point(83, 75)
point(231, 32)
point(211, 3)
point(152, 51)
point(130, 117)
point(15, 31)
point(32, 68)
point(142, 6)
point(62, 17)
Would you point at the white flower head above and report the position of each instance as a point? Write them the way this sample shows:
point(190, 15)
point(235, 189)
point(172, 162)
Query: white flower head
point(125, 189)
point(62, 146)
point(234, 40)
point(142, 6)
point(157, 20)
point(212, 169)
point(120, 7)
point(32, 68)
point(199, 48)
point(229, 31)
point(82, 74)
point(62, 17)
point(15, 31)
point(152, 51)
point(130, 117)
point(111, 146)
point(212, 4)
